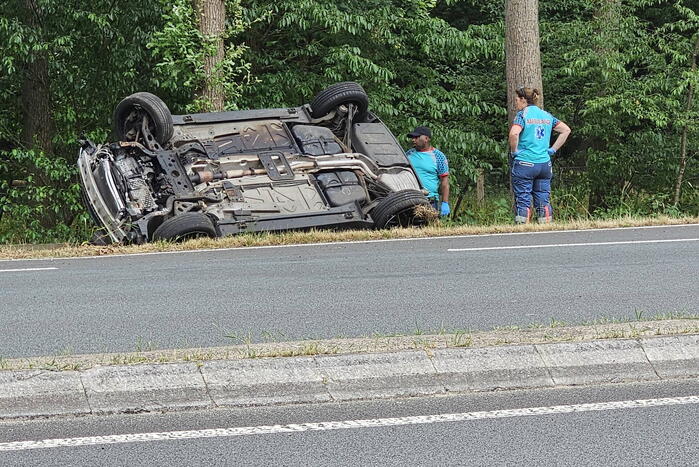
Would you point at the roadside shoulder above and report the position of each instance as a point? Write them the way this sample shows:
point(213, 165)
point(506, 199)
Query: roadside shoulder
point(352, 369)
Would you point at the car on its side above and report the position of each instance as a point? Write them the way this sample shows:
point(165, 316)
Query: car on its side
point(328, 164)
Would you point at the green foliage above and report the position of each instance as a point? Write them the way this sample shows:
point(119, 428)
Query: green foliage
point(94, 58)
point(180, 50)
point(416, 67)
point(179, 44)
point(48, 208)
point(618, 72)
point(622, 83)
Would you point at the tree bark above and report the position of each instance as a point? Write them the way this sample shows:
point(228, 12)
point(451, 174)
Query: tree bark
point(685, 130)
point(480, 188)
point(212, 24)
point(38, 125)
point(523, 59)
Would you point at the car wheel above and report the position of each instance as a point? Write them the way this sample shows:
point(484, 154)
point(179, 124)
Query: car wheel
point(185, 226)
point(347, 92)
point(398, 210)
point(128, 116)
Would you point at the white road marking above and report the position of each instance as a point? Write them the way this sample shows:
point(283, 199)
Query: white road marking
point(387, 240)
point(560, 245)
point(347, 424)
point(27, 269)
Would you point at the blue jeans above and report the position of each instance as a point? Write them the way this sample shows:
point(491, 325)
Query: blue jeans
point(530, 180)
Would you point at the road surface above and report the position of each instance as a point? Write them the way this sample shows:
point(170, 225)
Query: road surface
point(629, 424)
point(208, 298)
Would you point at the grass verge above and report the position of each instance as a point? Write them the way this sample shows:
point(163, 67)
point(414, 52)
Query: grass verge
point(512, 335)
point(27, 251)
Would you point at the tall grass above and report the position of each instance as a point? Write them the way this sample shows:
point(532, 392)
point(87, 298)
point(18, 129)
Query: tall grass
point(571, 204)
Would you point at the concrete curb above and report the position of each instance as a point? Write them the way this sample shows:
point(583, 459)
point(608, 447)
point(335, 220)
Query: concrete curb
point(325, 378)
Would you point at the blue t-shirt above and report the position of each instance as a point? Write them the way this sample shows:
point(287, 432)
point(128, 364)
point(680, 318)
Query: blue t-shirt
point(429, 166)
point(535, 138)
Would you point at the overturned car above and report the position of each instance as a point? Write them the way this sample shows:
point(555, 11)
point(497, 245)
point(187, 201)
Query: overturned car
point(331, 163)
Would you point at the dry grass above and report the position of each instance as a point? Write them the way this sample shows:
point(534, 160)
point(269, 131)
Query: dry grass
point(426, 213)
point(426, 342)
point(324, 236)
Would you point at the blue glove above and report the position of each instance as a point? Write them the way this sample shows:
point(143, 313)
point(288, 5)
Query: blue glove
point(445, 209)
point(551, 151)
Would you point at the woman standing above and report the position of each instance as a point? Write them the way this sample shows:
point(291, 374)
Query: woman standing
point(530, 136)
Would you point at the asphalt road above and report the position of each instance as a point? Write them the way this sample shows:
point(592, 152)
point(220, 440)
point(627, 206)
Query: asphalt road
point(630, 424)
point(192, 299)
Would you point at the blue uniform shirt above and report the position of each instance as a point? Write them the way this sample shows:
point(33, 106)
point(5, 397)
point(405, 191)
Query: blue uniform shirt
point(429, 166)
point(535, 138)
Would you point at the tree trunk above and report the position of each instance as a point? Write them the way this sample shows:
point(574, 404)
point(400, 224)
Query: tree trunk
point(460, 198)
point(523, 65)
point(38, 125)
point(212, 24)
point(685, 129)
point(480, 188)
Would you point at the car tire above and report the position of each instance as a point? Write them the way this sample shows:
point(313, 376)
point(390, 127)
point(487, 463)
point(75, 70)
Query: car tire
point(161, 126)
point(347, 92)
point(398, 210)
point(185, 226)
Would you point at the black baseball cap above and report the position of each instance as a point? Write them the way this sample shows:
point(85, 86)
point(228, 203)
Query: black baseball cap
point(420, 131)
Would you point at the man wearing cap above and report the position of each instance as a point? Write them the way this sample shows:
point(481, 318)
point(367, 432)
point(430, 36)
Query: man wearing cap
point(431, 167)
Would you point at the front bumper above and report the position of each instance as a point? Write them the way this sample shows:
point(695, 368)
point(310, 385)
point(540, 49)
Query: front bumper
point(102, 196)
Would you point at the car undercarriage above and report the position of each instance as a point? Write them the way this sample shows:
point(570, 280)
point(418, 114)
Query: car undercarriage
point(327, 164)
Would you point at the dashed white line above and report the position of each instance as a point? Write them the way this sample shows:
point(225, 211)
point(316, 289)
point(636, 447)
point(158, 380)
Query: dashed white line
point(27, 269)
point(343, 425)
point(561, 245)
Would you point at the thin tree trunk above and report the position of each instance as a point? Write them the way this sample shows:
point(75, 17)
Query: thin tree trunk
point(480, 188)
point(212, 24)
point(460, 198)
point(523, 59)
point(38, 124)
point(685, 129)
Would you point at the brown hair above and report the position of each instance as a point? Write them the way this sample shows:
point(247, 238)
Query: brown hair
point(530, 94)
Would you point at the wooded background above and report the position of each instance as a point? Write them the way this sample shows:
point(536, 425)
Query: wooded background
point(621, 73)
